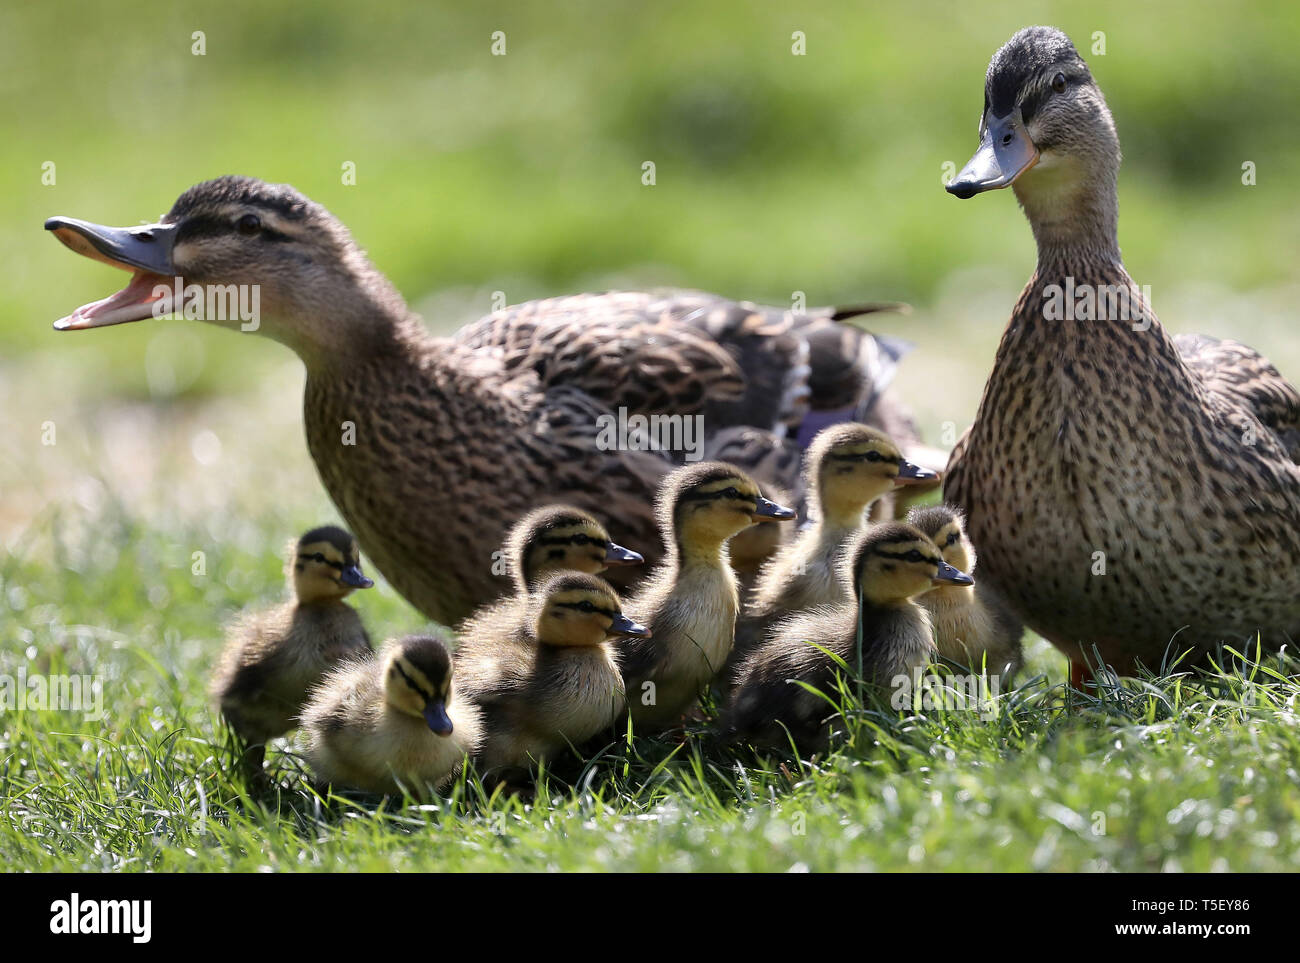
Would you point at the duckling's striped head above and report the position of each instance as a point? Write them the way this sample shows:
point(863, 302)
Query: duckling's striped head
point(850, 465)
point(945, 525)
point(417, 680)
point(894, 562)
point(703, 505)
point(577, 609)
point(326, 564)
point(240, 238)
point(558, 538)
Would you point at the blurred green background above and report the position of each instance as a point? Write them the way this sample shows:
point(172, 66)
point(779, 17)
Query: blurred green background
point(819, 173)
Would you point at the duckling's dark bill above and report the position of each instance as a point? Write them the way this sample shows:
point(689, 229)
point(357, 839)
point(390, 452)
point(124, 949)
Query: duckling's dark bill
point(947, 575)
point(146, 250)
point(910, 474)
point(435, 716)
point(622, 625)
point(770, 511)
point(618, 555)
point(1005, 152)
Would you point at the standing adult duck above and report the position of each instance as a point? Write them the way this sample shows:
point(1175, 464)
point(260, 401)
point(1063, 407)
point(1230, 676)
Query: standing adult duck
point(1127, 490)
point(432, 447)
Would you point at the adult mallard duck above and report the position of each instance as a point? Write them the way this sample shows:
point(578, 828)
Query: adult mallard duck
point(517, 410)
point(1126, 489)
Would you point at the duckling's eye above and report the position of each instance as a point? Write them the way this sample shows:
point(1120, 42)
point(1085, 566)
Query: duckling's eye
point(249, 224)
point(914, 556)
point(581, 539)
point(874, 456)
point(1058, 83)
point(586, 607)
point(730, 493)
point(952, 538)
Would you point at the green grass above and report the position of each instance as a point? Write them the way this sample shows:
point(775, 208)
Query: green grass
point(1169, 773)
point(775, 174)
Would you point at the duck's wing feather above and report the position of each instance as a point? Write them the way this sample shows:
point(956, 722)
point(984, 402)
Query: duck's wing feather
point(689, 352)
point(1243, 378)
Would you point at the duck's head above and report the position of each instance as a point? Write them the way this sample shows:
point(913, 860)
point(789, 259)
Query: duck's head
point(235, 244)
point(701, 506)
point(946, 527)
point(894, 562)
point(850, 465)
point(558, 538)
point(1045, 128)
point(326, 565)
point(574, 609)
point(417, 680)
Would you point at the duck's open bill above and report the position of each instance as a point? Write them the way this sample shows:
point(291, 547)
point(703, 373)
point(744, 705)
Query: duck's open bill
point(144, 250)
point(1005, 152)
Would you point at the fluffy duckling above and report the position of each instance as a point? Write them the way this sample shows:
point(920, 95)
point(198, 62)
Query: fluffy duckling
point(272, 659)
point(550, 679)
point(889, 565)
point(849, 466)
point(690, 603)
point(752, 548)
point(560, 538)
point(381, 724)
point(973, 626)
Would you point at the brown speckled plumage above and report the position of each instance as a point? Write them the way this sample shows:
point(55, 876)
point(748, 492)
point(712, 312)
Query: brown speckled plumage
point(407, 429)
point(1164, 459)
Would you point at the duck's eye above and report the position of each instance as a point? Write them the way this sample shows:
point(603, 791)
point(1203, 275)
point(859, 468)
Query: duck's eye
point(249, 224)
point(581, 539)
point(874, 456)
point(586, 607)
point(914, 556)
point(952, 538)
point(730, 493)
point(1058, 82)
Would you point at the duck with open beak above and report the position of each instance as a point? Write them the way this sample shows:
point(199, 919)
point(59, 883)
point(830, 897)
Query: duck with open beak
point(146, 251)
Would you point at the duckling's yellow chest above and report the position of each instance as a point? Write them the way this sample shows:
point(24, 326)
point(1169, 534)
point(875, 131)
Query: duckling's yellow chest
point(693, 633)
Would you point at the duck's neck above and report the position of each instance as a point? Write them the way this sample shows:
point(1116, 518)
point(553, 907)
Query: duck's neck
point(1074, 214)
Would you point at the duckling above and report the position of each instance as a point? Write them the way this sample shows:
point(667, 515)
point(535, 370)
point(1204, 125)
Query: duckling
point(560, 538)
point(690, 603)
point(1130, 492)
point(888, 565)
point(384, 723)
point(972, 625)
point(512, 412)
point(750, 549)
point(551, 678)
point(273, 658)
point(849, 466)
